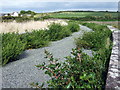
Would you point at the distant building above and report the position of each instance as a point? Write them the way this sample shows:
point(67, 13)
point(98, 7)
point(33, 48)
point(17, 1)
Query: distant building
point(6, 15)
point(15, 14)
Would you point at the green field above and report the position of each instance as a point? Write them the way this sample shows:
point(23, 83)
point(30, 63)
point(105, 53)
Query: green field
point(71, 15)
point(82, 14)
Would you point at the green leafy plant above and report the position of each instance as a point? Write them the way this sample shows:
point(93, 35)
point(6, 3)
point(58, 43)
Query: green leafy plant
point(73, 27)
point(12, 46)
point(92, 40)
point(77, 71)
point(22, 12)
point(22, 19)
point(57, 32)
point(17, 19)
point(96, 39)
point(36, 39)
point(80, 70)
point(31, 40)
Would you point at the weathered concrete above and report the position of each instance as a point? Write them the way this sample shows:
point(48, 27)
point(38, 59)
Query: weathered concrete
point(113, 78)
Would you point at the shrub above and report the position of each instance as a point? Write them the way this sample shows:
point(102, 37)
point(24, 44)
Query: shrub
point(78, 71)
point(12, 46)
point(36, 39)
point(97, 27)
point(8, 18)
point(73, 27)
point(37, 18)
point(92, 40)
point(82, 43)
point(22, 12)
point(96, 39)
point(22, 19)
point(65, 32)
point(57, 32)
point(17, 19)
point(31, 40)
point(45, 17)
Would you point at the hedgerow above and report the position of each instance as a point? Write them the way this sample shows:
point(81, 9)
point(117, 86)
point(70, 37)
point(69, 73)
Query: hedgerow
point(17, 19)
point(88, 18)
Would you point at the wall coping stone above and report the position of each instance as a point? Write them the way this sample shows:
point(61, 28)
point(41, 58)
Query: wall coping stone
point(113, 76)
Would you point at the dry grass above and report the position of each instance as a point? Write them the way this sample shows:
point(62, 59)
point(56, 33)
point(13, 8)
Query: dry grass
point(29, 26)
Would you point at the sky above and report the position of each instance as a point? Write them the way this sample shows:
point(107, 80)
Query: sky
point(42, 6)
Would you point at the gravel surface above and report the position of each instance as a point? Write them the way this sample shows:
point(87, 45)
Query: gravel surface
point(19, 74)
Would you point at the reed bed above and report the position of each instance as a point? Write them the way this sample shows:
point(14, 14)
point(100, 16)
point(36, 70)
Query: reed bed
point(29, 26)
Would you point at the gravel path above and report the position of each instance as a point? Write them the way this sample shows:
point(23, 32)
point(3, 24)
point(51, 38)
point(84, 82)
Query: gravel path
point(19, 74)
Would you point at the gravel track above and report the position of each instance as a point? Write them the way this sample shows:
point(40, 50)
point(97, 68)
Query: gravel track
point(20, 73)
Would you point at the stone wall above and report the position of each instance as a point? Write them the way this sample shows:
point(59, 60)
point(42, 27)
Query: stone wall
point(113, 77)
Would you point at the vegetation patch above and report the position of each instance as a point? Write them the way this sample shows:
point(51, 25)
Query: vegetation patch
point(17, 19)
point(71, 15)
point(57, 32)
point(86, 15)
point(14, 44)
point(73, 27)
point(36, 39)
point(80, 70)
point(94, 40)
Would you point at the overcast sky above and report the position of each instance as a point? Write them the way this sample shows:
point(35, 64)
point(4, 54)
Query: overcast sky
point(56, 5)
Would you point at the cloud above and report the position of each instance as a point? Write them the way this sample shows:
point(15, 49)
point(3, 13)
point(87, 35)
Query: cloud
point(38, 6)
point(26, 2)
